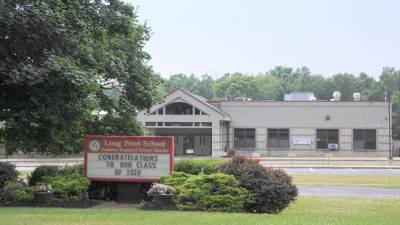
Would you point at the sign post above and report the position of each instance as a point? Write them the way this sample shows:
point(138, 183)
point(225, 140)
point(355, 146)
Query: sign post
point(129, 160)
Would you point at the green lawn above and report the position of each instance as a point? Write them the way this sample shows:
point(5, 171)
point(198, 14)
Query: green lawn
point(371, 181)
point(306, 210)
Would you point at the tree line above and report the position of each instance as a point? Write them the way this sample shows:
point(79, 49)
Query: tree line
point(274, 83)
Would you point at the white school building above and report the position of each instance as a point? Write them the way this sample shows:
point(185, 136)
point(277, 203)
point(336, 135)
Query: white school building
point(297, 126)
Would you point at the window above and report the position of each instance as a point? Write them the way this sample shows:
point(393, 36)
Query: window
point(179, 108)
point(160, 124)
point(206, 124)
point(150, 124)
point(196, 111)
point(245, 138)
point(178, 124)
point(278, 138)
point(364, 139)
point(327, 136)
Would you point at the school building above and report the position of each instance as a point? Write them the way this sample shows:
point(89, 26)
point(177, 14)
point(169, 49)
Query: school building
point(300, 125)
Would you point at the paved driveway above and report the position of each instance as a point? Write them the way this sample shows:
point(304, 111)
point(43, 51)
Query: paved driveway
point(348, 191)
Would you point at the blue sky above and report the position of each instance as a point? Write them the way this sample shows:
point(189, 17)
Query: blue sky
point(220, 36)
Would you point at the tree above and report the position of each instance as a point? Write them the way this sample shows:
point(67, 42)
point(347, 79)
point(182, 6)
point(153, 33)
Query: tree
point(57, 58)
point(344, 83)
point(201, 86)
point(234, 85)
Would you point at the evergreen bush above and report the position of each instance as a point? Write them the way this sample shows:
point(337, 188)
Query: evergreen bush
point(272, 188)
point(213, 192)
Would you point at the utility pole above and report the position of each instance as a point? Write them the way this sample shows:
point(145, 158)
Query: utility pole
point(387, 98)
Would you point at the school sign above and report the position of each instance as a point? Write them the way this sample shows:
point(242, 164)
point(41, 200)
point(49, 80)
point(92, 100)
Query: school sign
point(128, 158)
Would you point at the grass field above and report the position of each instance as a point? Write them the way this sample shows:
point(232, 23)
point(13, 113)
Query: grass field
point(371, 181)
point(306, 211)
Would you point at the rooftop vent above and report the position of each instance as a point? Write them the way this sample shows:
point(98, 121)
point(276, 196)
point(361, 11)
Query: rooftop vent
point(242, 99)
point(300, 96)
point(357, 97)
point(336, 96)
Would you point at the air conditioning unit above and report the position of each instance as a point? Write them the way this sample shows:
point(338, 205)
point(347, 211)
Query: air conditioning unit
point(333, 146)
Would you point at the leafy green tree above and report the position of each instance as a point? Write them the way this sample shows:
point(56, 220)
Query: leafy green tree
point(234, 85)
point(365, 85)
point(58, 58)
point(344, 83)
point(200, 86)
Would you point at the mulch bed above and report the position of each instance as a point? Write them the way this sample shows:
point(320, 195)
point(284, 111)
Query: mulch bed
point(98, 204)
point(54, 203)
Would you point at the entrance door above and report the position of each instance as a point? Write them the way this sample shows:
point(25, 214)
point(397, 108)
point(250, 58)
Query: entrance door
point(188, 144)
point(178, 149)
point(202, 145)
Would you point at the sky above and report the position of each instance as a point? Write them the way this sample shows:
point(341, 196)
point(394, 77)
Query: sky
point(215, 37)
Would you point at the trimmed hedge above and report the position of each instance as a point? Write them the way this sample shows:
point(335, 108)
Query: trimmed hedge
point(191, 166)
point(178, 178)
point(273, 189)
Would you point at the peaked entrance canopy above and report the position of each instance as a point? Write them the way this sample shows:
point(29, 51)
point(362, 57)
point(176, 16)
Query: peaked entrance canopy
point(199, 128)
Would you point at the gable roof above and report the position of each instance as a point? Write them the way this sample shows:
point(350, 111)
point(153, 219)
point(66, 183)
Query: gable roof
point(197, 98)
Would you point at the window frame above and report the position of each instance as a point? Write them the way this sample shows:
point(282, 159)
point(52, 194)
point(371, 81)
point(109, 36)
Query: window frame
point(281, 143)
point(249, 138)
point(327, 133)
point(364, 134)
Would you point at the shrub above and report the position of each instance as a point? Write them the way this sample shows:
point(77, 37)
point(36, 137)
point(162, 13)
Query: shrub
point(191, 166)
point(68, 170)
point(16, 191)
point(69, 187)
point(7, 173)
point(214, 192)
point(273, 189)
point(178, 178)
point(39, 174)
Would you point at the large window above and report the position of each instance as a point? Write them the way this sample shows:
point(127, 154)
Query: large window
point(278, 138)
point(179, 108)
point(326, 137)
point(245, 138)
point(364, 139)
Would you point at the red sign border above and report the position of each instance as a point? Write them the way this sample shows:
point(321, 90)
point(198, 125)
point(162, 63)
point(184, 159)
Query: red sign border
point(170, 139)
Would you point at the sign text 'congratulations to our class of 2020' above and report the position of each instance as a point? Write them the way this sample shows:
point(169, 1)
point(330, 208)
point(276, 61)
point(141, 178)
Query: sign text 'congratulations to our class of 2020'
point(128, 158)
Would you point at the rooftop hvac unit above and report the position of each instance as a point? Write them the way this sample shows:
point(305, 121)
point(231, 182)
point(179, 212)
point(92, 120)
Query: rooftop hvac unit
point(333, 146)
point(242, 99)
point(357, 96)
point(336, 96)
